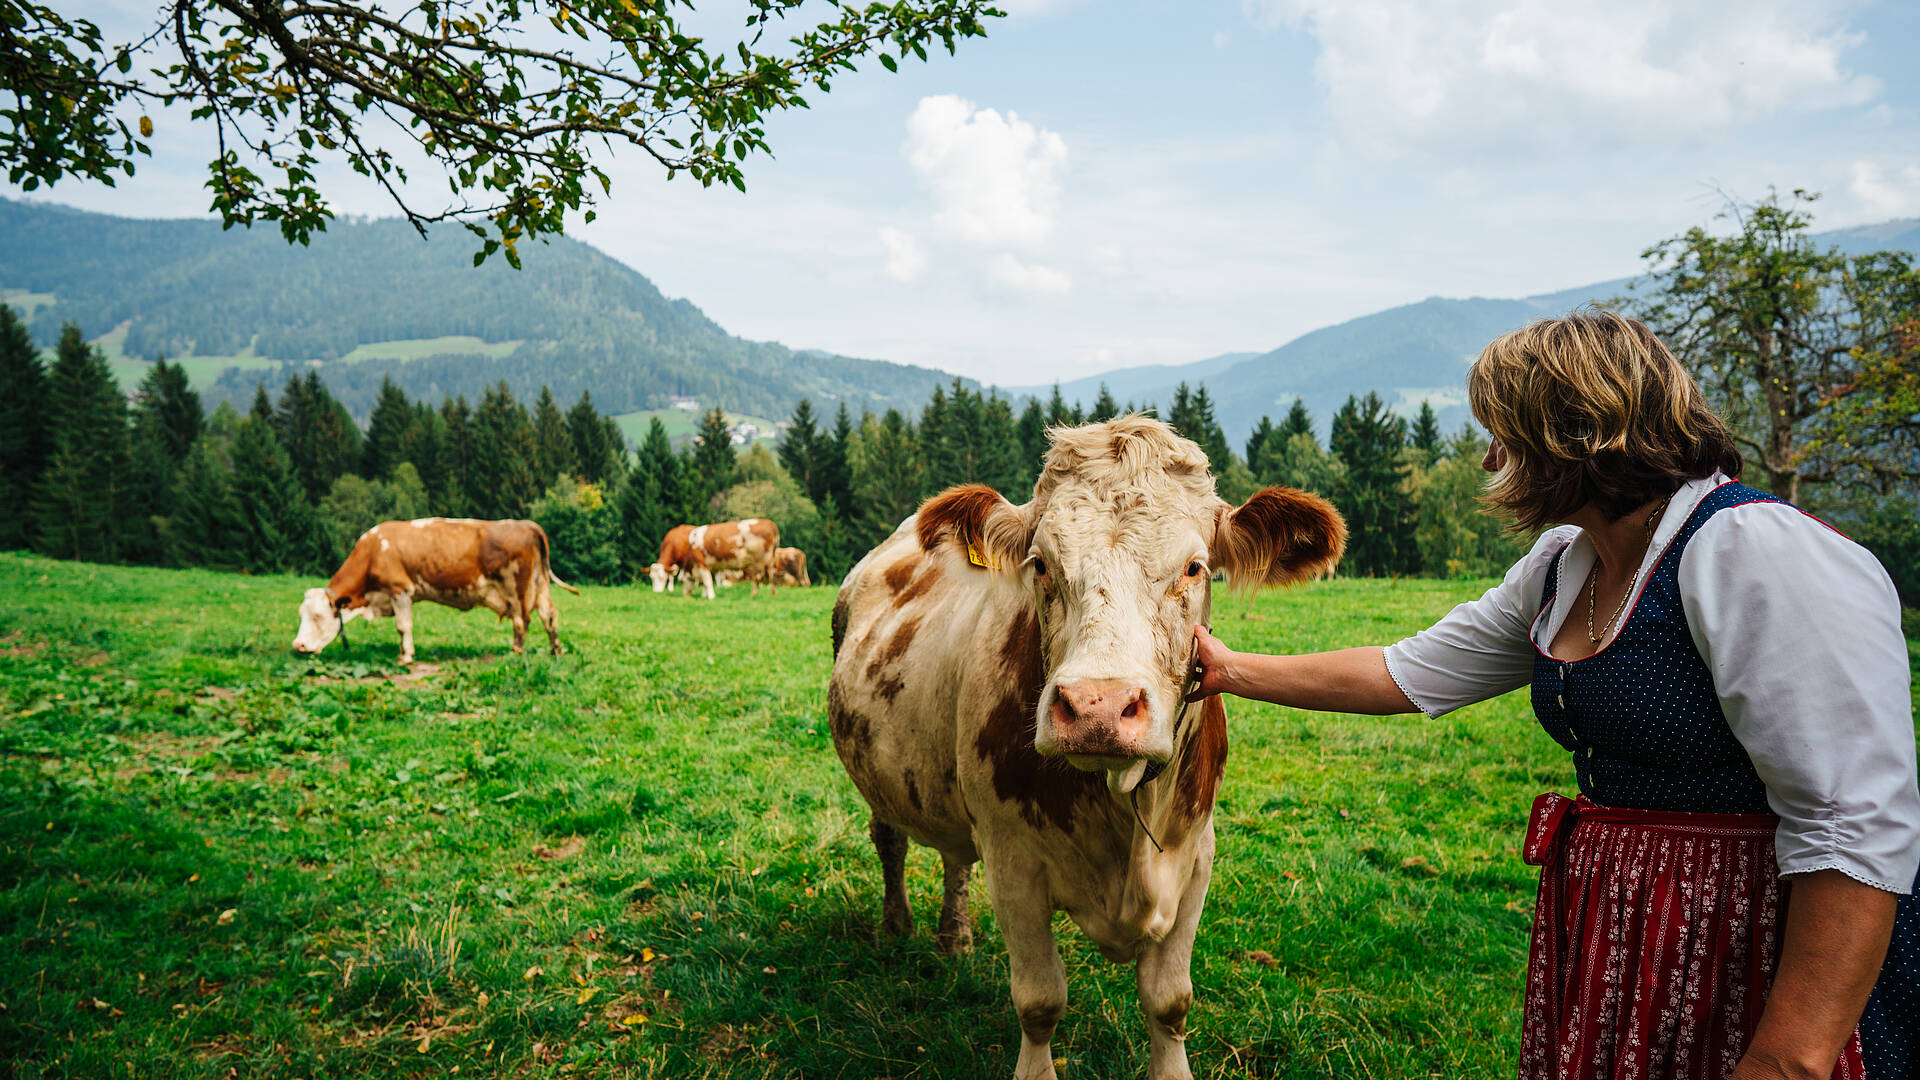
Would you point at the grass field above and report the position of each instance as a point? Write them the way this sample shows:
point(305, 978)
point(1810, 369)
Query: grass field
point(642, 859)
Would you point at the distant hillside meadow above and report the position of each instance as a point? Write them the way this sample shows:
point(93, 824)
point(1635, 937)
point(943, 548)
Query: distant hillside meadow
point(370, 300)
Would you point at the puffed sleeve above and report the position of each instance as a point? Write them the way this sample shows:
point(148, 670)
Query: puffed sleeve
point(1801, 629)
point(1481, 648)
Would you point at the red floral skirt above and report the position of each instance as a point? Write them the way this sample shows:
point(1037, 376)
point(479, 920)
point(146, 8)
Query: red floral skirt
point(1654, 942)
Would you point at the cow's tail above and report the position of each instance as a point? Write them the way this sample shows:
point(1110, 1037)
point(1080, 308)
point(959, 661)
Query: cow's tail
point(546, 563)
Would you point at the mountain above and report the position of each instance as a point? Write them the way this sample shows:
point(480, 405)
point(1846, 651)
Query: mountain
point(1412, 353)
point(370, 299)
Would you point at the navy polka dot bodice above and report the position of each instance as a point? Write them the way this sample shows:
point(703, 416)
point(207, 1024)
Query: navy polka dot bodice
point(1641, 716)
point(1644, 724)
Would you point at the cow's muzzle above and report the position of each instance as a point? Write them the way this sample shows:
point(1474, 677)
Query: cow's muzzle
point(1109, 719)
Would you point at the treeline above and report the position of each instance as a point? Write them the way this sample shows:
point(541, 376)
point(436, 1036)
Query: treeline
point(1410, 493)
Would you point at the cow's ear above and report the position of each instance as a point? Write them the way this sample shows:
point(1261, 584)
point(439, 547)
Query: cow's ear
point(988, 530)
point(1279, 536)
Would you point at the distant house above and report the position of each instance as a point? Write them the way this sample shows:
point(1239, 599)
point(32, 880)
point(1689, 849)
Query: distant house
point(690, 404)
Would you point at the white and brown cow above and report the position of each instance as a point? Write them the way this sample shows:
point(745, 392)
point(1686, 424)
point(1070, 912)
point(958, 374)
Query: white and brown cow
point(790, 568)
point(1006, 688)
point(503, 566)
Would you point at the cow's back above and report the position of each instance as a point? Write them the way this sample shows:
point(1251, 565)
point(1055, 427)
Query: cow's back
point(902, 704)
point(451, 555)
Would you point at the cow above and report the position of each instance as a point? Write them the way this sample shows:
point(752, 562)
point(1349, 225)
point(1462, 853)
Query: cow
point(676, 559)
point(1007, 688)
point(503, 566)
point(790, 567)
point(703, 550)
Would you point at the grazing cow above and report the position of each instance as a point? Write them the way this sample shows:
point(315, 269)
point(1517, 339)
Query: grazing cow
point(1007, 687)
point(460, 562)
point(676, 559)
point(790, 567)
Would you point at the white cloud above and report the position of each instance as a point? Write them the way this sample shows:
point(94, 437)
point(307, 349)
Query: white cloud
point(1413, 77)
point(1886, 190)
point(906, 259)
point(995, 179)
point(1013, 275)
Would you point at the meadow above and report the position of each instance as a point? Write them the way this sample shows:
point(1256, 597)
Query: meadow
point(642, 858)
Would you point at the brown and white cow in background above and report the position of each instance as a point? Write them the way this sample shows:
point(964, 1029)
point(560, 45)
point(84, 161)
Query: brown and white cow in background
point(790, 568)
point(503, 566)
point(676, 559)
point(1006, 688)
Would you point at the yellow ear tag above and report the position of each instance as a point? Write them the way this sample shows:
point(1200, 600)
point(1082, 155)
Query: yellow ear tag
point(975, 557)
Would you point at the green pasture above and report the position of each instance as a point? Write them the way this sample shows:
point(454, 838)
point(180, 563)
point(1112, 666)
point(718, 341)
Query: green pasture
point(683, 424)
point(642, 859)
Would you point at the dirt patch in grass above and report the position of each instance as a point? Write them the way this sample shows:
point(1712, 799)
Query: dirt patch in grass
point(413, 676)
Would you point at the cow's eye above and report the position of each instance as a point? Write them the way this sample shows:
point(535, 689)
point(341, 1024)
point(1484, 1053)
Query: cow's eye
point(1194, 569)
point(1039, 566)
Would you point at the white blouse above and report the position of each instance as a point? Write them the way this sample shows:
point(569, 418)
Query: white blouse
point(1800, 628)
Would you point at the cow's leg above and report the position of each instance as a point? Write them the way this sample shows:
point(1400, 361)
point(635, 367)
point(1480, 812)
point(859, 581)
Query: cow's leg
point(706, 582)
point(956, 922)
point(549, 618)
point(1039, 979)
point(517, 611)
point(896, 917)
point(1164, 977)
point(403, 620)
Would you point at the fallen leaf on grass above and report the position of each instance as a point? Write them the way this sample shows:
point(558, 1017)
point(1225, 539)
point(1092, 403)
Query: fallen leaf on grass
point(567, 849)
point(647, 955)
point(227, 916)
point(1263, 958)
point(534, 972)
point(769, 970)
point(1418, 866)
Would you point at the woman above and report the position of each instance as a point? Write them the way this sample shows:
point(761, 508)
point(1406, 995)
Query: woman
point(1731, 677)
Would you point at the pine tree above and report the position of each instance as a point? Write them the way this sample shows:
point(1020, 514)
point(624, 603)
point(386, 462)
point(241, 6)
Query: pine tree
point(278, 530)
point(599, 449)
point(23, 427)
point(553, 445)
point(1031, 434)
point(505, 457)
point(458, 477)
point(1298, 422)
point(1368, 440)
point(1212, 438)
point(262, 408)
point(713, 462)
point(798, 452)
point(1257, 442)
point(205, 528)
point(80, 494)
point(1426, 432)
point(664, 465)
point(1058, 414)
point(318, 433)
point(1103, 405)
point(387, 428)
point(888, 476)
point(837, 464)
point(166, 422)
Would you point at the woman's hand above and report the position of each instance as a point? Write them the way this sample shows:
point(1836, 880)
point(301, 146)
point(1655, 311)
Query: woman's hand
point(1215, 660)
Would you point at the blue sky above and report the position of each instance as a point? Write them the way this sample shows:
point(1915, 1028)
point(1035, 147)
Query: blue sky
point(1105, 183)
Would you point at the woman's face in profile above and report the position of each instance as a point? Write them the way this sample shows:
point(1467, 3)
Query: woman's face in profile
point(1496, 456)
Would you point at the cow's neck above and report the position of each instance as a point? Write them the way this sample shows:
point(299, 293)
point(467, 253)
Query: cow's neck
point(1171, 818)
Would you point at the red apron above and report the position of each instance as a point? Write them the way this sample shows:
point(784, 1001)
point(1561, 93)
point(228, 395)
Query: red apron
point(1655, 938)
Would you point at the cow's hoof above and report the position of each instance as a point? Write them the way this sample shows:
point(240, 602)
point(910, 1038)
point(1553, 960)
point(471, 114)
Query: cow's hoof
point(896, 921)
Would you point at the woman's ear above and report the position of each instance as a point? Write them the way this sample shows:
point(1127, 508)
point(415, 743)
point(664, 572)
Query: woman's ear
point(990, 531)
point(1280, 536)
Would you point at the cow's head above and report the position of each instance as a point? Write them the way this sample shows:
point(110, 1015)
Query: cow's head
point(321, 616)
point(659, 575)
point(1115, 553)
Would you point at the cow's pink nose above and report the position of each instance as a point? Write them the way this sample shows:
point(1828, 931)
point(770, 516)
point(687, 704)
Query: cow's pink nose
point(1103, 717)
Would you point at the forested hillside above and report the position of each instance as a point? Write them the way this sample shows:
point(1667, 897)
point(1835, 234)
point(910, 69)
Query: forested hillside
point(582, 320)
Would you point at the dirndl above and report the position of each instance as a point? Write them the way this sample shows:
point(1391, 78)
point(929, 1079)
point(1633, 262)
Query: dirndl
point(1655, 937)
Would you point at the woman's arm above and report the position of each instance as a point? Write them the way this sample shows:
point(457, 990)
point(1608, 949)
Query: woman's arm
point(1836, 939)
point(1347, 680)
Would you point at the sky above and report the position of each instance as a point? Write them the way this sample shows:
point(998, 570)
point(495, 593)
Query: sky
point(1101, 184)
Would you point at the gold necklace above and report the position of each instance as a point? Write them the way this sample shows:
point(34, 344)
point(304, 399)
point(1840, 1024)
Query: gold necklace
point(1593, 583)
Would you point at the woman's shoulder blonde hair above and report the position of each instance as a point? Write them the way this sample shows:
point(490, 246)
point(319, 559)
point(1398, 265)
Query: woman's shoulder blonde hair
point(1592, 408)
